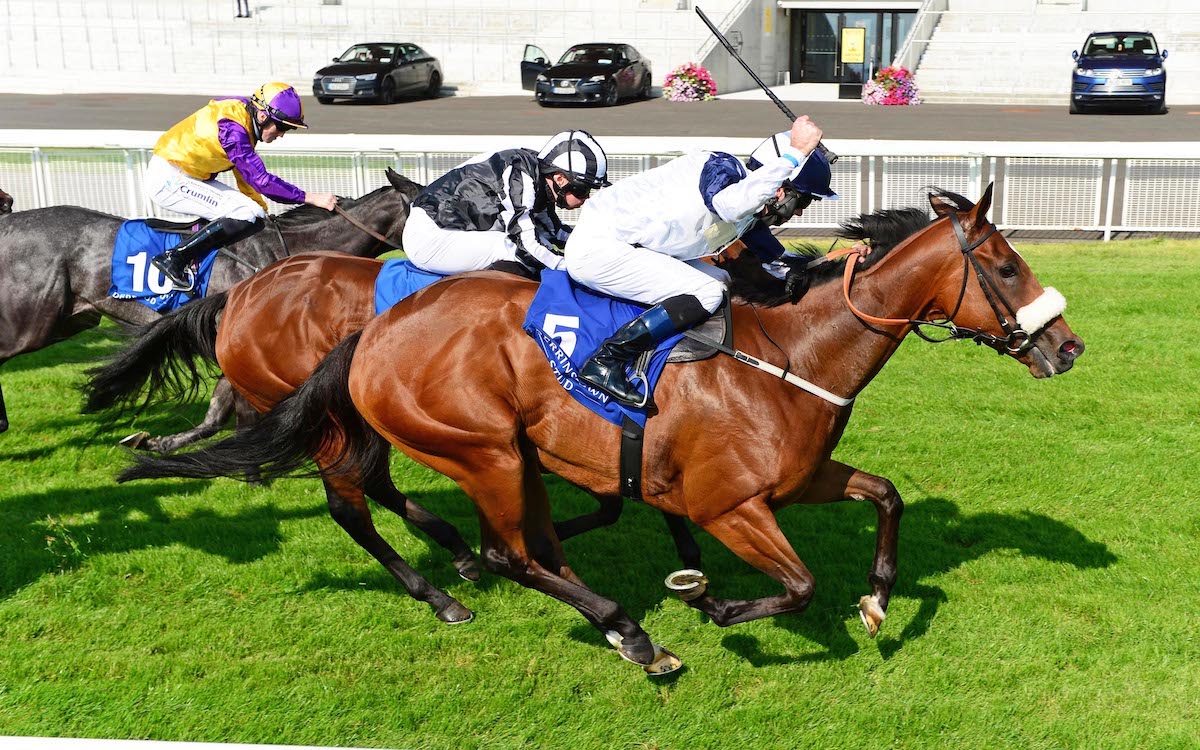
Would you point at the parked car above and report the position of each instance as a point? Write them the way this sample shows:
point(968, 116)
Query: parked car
point(379, 71)
point(1119, 68)
point(598, 73)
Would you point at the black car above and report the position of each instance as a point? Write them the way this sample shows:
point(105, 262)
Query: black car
point(1119, 68)
point(379, 71)
point(598, 73)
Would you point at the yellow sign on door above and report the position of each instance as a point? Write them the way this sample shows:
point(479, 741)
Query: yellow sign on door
point(854, 42)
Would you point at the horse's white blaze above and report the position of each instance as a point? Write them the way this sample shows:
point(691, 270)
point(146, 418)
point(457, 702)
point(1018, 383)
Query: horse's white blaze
point(1049, 305)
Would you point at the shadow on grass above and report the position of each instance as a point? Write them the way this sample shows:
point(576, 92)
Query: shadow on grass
point(82, 431)
point(85, 347)
point(121, 519)
point(837, 543)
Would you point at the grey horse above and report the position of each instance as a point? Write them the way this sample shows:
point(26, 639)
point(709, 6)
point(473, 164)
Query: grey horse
point(56, 270)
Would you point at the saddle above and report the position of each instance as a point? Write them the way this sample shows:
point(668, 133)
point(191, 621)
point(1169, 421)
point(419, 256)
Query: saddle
point(176, 227)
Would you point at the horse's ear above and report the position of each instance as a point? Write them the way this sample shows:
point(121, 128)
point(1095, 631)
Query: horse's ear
point(394, 177)
point(942, 206)
point(981, 208)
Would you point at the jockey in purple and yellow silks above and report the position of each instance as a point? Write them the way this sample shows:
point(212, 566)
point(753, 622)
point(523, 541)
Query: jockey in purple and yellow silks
point(221, 136)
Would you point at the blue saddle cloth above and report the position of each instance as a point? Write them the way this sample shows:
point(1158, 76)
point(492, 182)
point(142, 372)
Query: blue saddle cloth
point(397, 280)
point(134, 278)
point(569, 322)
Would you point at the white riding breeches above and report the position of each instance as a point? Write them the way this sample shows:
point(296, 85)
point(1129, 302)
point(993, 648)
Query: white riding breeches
point(597, 259)
point(175, 190)
point(451, 251)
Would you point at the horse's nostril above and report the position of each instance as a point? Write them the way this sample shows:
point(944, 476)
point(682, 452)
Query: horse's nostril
point(1071, 349)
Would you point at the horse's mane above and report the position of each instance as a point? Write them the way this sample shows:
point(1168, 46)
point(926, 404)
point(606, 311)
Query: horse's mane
point(304, 214)
point(886, 229)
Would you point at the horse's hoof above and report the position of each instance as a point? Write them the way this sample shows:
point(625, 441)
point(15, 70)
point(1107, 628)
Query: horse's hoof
point(468, 569)
point(455, 613)
point(3, 425)
point(664, 662)
point(871, 613)
point(689, 584)
point(136, 441)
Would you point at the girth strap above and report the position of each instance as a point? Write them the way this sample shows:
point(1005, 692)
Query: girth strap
point(630, 460)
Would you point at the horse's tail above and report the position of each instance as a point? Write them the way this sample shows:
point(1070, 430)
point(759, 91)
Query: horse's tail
point(162, 361)
point(317, 419)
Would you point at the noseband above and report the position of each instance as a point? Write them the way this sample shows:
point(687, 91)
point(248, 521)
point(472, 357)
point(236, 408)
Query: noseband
point(1015, 341)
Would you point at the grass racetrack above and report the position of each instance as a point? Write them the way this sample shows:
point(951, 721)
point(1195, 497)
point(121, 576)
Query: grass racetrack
point(1047, 595)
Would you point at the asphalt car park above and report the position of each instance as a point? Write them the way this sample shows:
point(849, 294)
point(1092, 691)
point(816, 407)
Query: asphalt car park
point(520, 115)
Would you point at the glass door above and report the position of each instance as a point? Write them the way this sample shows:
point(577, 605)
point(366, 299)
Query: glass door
point(822, 51)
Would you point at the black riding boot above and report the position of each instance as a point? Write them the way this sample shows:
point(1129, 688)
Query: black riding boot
point(606, 368)
point(176, 262)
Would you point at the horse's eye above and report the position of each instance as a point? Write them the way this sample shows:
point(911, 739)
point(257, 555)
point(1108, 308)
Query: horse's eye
point(1008, 270)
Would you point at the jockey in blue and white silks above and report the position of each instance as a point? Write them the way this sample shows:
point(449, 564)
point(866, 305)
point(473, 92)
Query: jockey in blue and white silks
point(500, 206)
point(643, 238)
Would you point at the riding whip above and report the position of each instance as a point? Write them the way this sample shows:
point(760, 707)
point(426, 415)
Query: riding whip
point(829, 155)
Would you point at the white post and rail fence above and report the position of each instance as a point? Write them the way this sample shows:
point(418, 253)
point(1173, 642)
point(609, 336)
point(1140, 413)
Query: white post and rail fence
point(1102, 187)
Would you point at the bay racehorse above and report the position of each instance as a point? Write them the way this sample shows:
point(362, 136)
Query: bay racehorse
point(56, 266)
point(6, 203)
point(471, 396)
point(274, 328)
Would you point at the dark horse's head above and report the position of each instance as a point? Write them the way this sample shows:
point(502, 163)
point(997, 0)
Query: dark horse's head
point(6, 202)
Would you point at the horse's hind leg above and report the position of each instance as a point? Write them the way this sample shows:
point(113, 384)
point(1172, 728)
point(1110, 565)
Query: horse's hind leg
point(220, 408)
point(3, 413)
point(504, 489)
point(835, 482)
point(384, 492)
point(348, 506)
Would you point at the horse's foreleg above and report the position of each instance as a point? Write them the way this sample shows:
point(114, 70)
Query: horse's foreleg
point(751, 532)
point(220, 408)
point(3, 413)
point(348, 506)
point(384, 492)
point(606, 515)
point(835, 482)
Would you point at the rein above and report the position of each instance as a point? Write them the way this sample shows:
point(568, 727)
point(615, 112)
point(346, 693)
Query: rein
point(345, 215)
point(1015, 341)
point(287, 251)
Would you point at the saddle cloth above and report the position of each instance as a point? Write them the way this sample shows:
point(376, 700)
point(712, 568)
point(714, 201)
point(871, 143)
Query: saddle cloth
point(570, 322)
point(134, 278)
point(398, 279)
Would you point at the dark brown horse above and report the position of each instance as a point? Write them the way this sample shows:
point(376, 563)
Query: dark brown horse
point(56, 270)
point(475, 400)
point(275, 327)
point(6, 203)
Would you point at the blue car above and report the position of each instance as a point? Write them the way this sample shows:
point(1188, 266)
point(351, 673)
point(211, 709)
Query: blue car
point(1119, 68)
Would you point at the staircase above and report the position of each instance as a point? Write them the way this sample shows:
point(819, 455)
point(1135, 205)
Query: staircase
point(976, 55)
point(198, 46)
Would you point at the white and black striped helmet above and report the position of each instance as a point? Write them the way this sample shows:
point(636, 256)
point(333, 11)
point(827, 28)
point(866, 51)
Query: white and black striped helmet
point(576, 154)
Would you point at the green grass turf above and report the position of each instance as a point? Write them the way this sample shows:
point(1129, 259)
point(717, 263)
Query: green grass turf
point(1046, 596)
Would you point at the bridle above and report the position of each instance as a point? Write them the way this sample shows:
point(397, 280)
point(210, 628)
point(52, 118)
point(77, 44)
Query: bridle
point(1015, 341)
